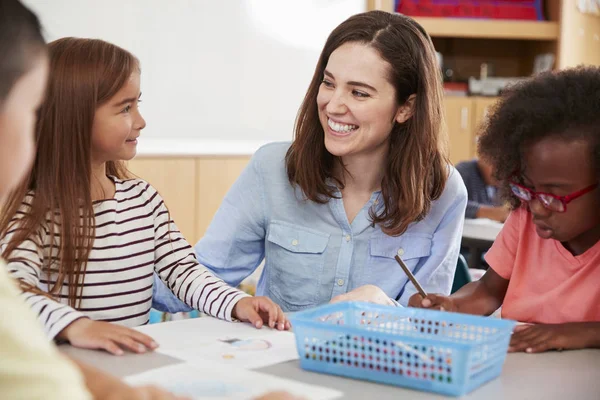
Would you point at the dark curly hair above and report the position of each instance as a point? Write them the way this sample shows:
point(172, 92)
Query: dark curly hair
point(564, 104)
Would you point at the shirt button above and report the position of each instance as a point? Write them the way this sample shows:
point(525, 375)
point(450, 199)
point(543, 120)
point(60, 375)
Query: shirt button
point(340, 282)
point(376, 201)
point(348, 238)
point(294, 242)
point(400, 251)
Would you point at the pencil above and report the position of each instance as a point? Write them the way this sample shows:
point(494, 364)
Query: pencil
point(411, 277)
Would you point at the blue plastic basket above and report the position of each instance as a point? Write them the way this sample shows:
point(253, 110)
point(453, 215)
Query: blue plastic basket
point(441, 352)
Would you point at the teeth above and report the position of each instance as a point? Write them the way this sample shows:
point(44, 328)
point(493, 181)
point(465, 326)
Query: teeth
point(341, 127)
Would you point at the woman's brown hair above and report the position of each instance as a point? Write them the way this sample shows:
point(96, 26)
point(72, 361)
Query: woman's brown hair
point(417, 162)
point(84, 74)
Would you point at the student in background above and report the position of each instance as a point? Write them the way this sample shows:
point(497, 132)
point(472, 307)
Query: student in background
point(84, 233)
point(543, 142)
point(365, 179)
point(482, 191)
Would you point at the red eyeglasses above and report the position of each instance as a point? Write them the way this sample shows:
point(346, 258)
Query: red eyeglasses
point(550, 201)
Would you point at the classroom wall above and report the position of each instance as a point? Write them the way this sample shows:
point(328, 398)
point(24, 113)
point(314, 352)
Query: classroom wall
point(211, 69)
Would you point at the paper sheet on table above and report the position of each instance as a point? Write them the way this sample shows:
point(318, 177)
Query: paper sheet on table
point(221, 382)
point(208, 339)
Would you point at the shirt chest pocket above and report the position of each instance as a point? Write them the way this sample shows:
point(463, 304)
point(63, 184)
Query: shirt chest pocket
point(295, 259)
point(410, 247)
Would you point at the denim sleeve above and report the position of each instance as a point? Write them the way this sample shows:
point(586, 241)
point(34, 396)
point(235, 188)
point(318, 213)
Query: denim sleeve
point(234, 243)
point(436, 272)
point(164, 300)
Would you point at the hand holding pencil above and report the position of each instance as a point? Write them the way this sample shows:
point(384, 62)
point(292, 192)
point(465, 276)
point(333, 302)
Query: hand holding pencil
point(422, 299)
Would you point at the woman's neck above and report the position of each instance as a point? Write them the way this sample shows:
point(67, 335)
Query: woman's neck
point(362, 173)
point(102, 186)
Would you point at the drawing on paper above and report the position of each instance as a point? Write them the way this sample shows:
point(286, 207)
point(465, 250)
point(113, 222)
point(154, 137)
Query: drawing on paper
point(248, 344)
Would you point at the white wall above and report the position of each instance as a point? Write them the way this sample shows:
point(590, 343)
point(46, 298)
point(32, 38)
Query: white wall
point(211, 69)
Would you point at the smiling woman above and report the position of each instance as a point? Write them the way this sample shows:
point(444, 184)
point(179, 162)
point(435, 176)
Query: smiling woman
point(365, 179)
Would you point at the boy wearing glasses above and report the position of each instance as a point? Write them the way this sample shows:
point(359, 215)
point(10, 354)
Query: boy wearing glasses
point(543, 142)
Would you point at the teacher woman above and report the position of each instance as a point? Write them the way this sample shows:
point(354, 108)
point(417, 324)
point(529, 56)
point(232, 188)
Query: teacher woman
point(366, 178)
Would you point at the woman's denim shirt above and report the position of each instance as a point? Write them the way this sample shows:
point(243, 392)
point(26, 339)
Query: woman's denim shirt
point(312, 253)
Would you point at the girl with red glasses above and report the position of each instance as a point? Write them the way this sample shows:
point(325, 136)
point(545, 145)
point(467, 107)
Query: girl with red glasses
point(543, 141)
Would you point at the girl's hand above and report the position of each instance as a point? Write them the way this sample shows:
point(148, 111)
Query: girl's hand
point(259, 310)
point(90, 334)
point(433, 302)
point(544, 337)
point(366, 293)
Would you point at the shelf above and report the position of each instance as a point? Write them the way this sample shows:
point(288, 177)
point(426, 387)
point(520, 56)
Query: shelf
point(489, 29)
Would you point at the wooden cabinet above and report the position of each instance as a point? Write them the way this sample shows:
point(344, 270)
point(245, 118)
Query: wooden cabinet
point(459, 114)
point(174, 178)
point(464, 118)
point(193, 188)
point(509, 48)
point(482, 108)
point(214, 177)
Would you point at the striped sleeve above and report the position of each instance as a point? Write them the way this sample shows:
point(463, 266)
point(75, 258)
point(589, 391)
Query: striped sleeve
point(25, 264)
point(176, 265)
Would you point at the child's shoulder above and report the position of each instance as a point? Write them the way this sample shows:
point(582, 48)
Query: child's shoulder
point(132, 189)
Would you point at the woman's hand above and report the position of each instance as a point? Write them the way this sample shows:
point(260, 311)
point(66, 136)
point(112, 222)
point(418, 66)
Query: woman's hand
point(89, 334)
point(366, 293)
point(259, 310)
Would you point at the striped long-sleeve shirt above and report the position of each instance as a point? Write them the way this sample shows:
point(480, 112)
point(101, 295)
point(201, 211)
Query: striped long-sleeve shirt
point(134, 238)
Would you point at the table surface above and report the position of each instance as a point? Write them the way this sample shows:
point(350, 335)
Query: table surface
point(482, 229)
point(567, 375)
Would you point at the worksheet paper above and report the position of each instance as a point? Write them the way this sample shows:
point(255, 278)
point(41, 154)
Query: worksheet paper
point(221, 382)
point(207, 340)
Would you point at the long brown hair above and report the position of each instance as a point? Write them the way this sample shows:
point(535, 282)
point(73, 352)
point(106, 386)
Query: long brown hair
point(84, 74)
point(417, 162)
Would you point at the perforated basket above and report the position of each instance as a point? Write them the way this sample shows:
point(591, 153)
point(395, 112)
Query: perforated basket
point(441, 352)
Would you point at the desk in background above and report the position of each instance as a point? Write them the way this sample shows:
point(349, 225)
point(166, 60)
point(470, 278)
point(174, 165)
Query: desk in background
point(478, 235)
point(548, 376)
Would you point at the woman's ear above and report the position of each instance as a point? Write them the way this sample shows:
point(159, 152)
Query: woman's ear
point(406, 110)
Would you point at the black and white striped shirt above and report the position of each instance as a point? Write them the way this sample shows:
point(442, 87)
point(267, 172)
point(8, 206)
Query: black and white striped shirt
point(134, 238)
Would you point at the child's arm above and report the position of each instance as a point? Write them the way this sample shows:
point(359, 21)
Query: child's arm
point(482, 297)
point(192, 283)
point(543, 337)
point(485, 296)
point(60, 321)
point(25, 265)
point(498, 213)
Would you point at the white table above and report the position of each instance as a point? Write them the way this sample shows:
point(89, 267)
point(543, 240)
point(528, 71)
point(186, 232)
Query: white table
point(478, 235)
point(481, 229)
point(572, 375)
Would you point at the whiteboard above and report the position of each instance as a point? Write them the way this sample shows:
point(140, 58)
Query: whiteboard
point(211, 69)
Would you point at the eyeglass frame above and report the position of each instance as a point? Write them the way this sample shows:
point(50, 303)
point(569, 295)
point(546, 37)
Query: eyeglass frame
point(563, 199)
